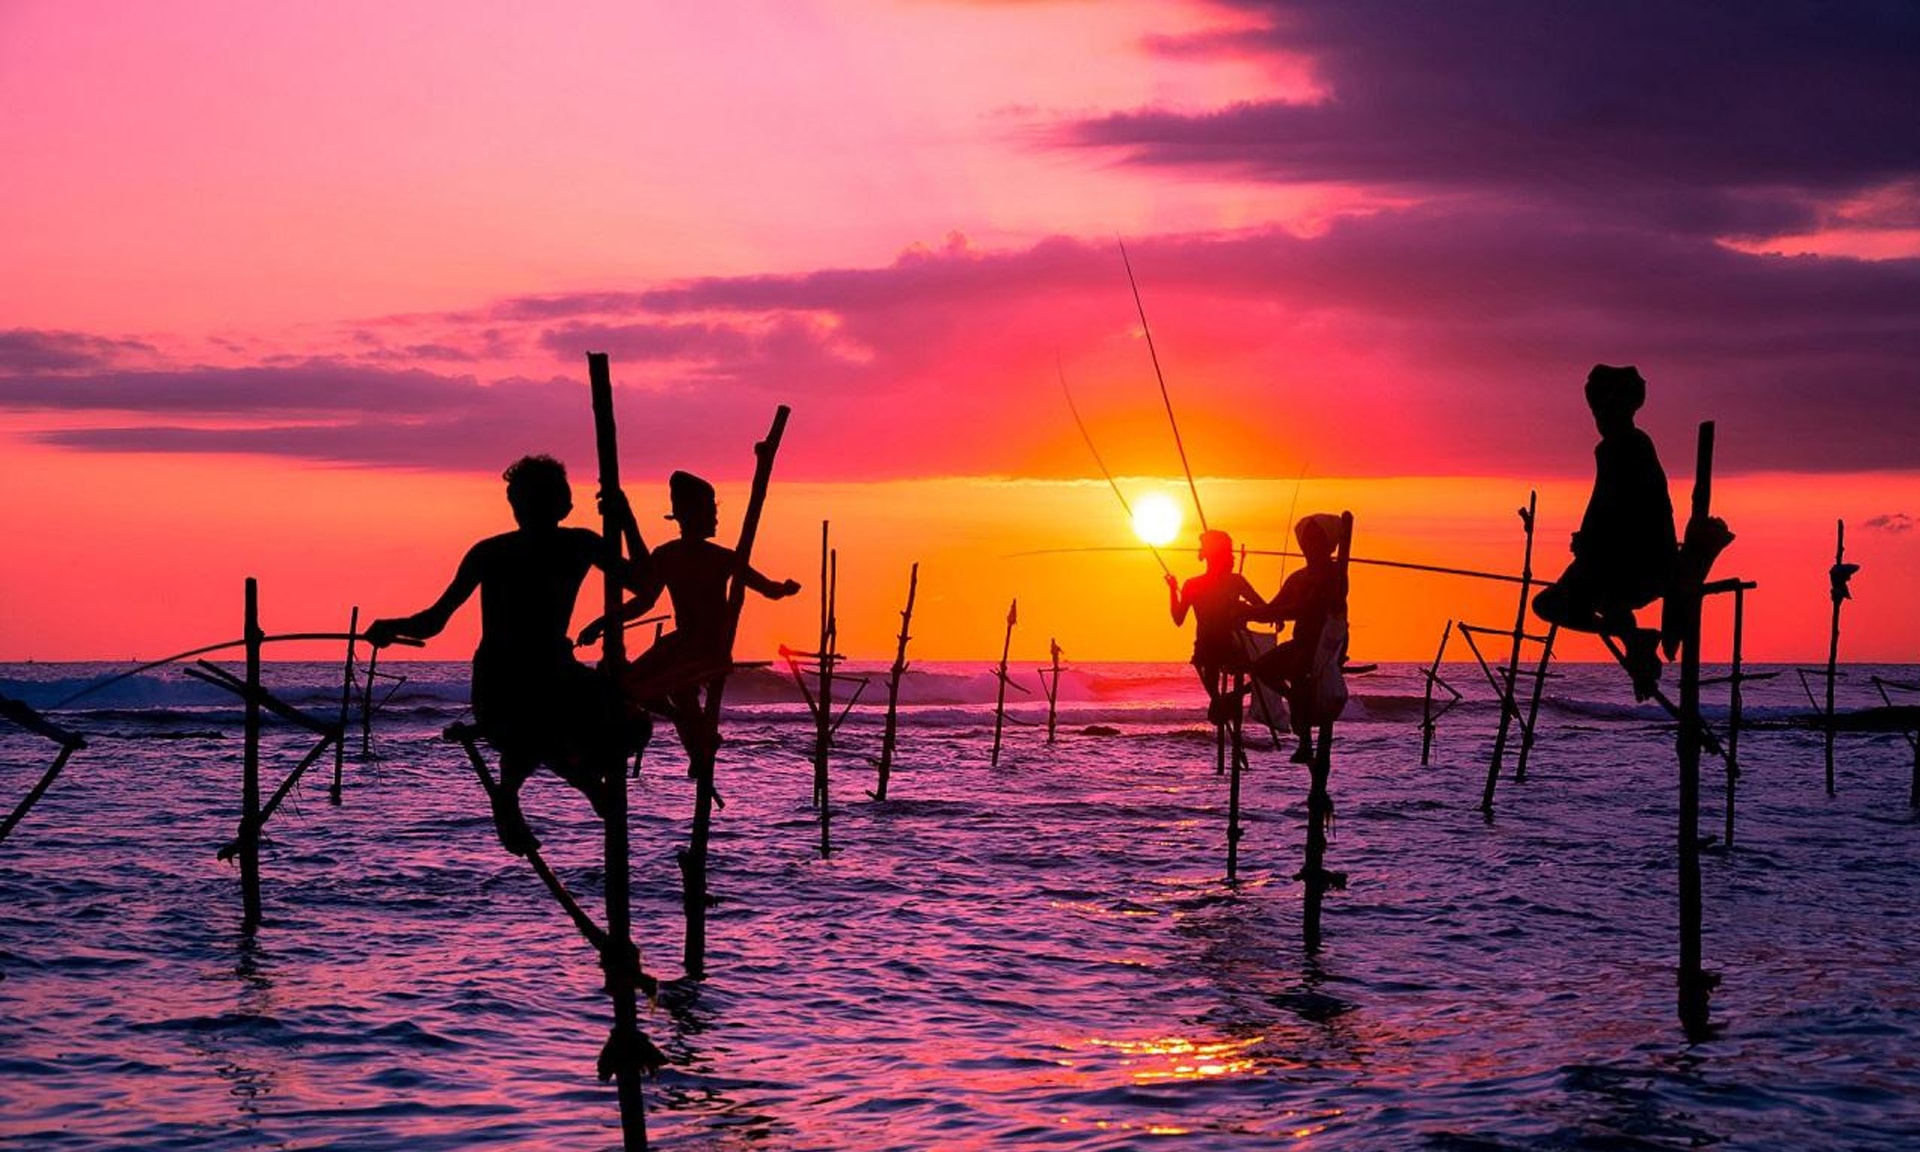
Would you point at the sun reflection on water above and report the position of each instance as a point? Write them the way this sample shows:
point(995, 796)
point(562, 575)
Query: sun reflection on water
point(1174, 1058)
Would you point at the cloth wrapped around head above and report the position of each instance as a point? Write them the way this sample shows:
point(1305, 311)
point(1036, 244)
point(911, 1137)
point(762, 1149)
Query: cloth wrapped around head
point(1615, 389)
point(1321, 533)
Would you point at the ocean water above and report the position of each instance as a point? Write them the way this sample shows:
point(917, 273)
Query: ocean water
point(1039, 955)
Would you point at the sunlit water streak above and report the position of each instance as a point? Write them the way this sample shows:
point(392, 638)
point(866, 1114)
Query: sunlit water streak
point(1042, 955)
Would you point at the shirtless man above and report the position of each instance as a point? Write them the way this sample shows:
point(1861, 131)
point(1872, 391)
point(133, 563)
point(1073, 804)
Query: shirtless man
point(1219, 599)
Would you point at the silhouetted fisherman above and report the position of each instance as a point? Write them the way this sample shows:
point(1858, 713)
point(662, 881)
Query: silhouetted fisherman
point(1310, 598)
point(1219, 599)
point(531, 699)
point(1625, 553)
point(694, 571)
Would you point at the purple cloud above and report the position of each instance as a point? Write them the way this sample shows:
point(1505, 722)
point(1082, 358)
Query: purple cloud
point(1716, 119)
point(1895, 522)
point(27, 350)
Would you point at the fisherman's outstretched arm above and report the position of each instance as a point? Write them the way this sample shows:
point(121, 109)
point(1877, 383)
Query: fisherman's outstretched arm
point(428, 623)
point(766, 586)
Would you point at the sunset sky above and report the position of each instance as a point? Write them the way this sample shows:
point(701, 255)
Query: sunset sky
point(286, 286)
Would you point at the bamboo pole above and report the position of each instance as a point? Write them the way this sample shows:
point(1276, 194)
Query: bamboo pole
point(1533, 703)
point(693, 858)
point(1427, 720)
point(1735, 704)
point(1509, 690)
point(1319, 796)
point(823, 746)
point(346, 702)
point(620, 1060)
point(893, 687)
point(1232, 730)
point(250, 767)
point(1695, 984)
point(1053, 688)
point(1839, 594)
point(1000, 700)
point(70, 742)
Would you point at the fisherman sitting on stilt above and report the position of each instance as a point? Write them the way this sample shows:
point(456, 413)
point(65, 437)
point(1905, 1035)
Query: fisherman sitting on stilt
point(1305, 668)
point(666, 678)
point(531, 699)
point(1625, 554)
point(1219, 599)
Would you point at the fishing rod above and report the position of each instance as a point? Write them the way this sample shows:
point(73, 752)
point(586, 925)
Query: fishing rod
point(1404, 565)
point(1165, 398)
point(203, 650)
point(1104, 471)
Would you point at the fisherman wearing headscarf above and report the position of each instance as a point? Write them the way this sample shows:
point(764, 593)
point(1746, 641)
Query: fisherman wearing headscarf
point(1625, 552)
point(1219, 599)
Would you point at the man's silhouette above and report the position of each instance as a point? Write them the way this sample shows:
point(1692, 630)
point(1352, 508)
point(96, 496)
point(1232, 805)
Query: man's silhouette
point(694, 571)
point(1219, 599)
point(1310, 598)
point(532, 700)
point(1624, 554)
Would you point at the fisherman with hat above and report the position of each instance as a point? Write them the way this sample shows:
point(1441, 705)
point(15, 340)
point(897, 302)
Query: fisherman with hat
point(1625, 553)
point(694, 571)
point(1219, 599)
point(1305, 667)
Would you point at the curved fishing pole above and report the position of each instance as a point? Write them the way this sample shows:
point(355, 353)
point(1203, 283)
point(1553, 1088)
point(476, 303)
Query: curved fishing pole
point(1159, 376)
point(150, 665)
point(1088, 437)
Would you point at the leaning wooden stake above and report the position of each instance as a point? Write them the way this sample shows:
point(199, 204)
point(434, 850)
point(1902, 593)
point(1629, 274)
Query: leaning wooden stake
point(70, 742)
point(346, 704)
point(893, 687)
point(1695, 983)
point(1320, 795)
point(693, 858)
point(620, 1060)
point(1837, 578)
point(1232, 728)
point(1429, 716)
point(823, 719)
point(1538, 688)
point(250, 767)
point(1000, 700)
point(1510, 689)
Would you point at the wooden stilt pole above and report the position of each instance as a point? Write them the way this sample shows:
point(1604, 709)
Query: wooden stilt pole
point(1695, 984)
point(1052, 685)
point(1509, 690)
point(1533, 702)
point(693, 858)
point(346, 703)
point(620, 1060)
point(1320, 795)
point(1230, 731)
point(1000, 701)
point(893, 686)
point(1839, 591)
point(1735, 702)
point(70, 742)
point(366, 703)
point(250, 768)
point(1428, 722)
point(823, 744)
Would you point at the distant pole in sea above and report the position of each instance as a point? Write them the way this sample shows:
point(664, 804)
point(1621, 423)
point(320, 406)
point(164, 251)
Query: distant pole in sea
point(250, 766)
point(346, 705)
point(1429, 718)
point(1051, 682)
point(1508, 687)
point(893, 687)
point(823, 724)
point(1000, 673)
point(1837, 578)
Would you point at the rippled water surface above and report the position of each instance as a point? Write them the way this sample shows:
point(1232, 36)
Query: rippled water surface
point(1041, 955)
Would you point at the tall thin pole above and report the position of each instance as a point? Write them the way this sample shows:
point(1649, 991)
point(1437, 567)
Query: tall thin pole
point(1735, 703)
point(1053, 689)
point(893, 686)
point(1535, 690)
point(1165, 397)
point(823, 720)
point(250, 767)
point(693, 858)
point(1839, 593)
point(1695, 986)
point(1232, 729)
point(620, 965)
point(1427, 721)
point(1000, 701)
point(1510, 688)
point(346, 705)
point(1320, 794)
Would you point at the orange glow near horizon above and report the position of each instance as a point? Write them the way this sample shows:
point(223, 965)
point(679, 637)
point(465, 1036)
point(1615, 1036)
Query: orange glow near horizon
point(154, 563)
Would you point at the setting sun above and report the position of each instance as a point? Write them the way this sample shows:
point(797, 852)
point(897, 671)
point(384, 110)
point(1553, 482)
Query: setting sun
point(1156, 519)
